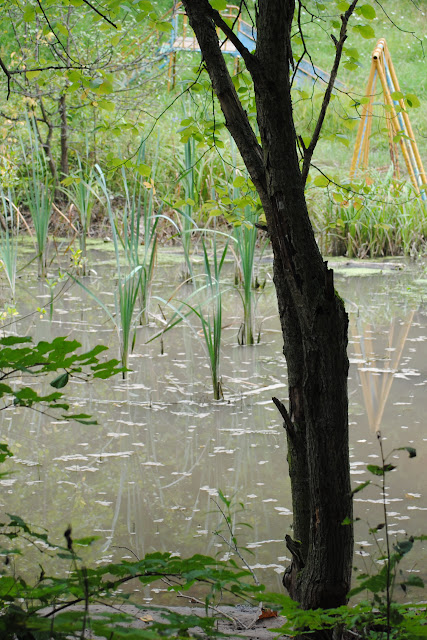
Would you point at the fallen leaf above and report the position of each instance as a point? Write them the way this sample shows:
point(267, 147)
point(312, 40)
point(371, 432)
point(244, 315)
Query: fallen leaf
point(147, 618)
point(267, 613)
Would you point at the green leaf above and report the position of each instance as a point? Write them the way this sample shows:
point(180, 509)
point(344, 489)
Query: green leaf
point(321, 181)
point(62, 29)
point(86, 542)
point(74, 75)
point(414, 581)
point(9, 341)
point(380, 471)
point(145, 5)
point(351, 66)
point(219, 5)
point(368, 12)
point(373, 583)
point(82, 418)
point(29, 13)
point(238, 182)
point(60, 381)
point(360, 487)
point(165, 27)
point(404, 546)
point(4, 388)
point(412, 101)
point(397, 95)
point(107, 105)
point(365, 30)
point(412, 452)
point(4, 452)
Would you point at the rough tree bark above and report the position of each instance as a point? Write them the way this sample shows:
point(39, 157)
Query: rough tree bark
point(64, 137)
point(313, 319)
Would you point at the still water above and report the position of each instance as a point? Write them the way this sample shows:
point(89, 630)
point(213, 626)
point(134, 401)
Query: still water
point(147, 476)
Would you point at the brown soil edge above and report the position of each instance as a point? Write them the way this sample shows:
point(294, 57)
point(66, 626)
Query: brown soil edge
point(245, 624)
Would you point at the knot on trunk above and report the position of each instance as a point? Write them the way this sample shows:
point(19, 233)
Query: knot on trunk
point(290, 577)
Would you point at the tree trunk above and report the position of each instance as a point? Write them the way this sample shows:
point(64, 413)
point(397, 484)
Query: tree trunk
point(64, 137)
point(313, 318)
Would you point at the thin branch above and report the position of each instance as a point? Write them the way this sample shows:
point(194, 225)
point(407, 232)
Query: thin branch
point(104, 17)
point(215, 15)
point(191, 598)
point(53, 31)
point(339, 44)
point(8, 76)
point(412, 33)
point(233, 546)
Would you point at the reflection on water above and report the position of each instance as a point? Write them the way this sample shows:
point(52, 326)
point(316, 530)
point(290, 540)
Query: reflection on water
point(143, 479)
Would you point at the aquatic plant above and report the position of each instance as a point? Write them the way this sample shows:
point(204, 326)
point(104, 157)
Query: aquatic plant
point(380, 217)
point(139, 216)
point(245, 235)
point(38, 193)
point(81, 189)
point(210, 316)
point(209, 311)
point(9, 229)
point(126, 290)
point(185, 207)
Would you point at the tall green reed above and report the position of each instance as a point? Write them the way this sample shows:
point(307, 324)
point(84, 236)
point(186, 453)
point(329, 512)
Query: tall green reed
point(246, 237)
point(205, 303)
point(127, 287)
point(382, 217)
point(9, 238)
point(139, 224)
point(187, 221)
point(38, 193)
point(82, 191)
point(211, 319)
point(245, 215)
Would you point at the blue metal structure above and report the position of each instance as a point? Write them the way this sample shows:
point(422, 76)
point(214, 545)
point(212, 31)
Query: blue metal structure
point(182, 38)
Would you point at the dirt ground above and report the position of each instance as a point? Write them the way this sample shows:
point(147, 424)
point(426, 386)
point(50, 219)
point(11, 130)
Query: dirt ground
point(236, 622)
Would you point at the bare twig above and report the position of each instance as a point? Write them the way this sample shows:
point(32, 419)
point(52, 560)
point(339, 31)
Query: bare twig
point(8, 76)
point(339, 45)
point(104, 17)
point(180, 594)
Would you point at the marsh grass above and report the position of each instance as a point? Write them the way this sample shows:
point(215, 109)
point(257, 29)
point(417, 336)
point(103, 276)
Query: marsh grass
point(246, 239)
point(384, 218)
point(9, 238)
point(38, 191)
point(139, 219)
point(205, 303)
point(82, 190)
point(211, 319)
point(127, 287)
point(187, 209)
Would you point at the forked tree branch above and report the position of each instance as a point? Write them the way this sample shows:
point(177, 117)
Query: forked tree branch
point(8, 76)
point(203, 20)
point(220, 22)
point(339, 46)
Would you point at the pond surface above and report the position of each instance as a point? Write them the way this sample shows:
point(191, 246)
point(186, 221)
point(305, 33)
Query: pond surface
point(147, 476)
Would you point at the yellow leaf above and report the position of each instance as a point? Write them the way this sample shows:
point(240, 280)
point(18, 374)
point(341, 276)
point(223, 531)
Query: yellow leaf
point(147, 618)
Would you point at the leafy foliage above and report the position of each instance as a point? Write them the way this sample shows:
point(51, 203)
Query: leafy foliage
point(58, 607)
point(20, 357)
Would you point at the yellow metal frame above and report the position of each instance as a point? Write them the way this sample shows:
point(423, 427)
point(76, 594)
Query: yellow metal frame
point(397, 121)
